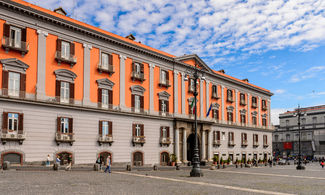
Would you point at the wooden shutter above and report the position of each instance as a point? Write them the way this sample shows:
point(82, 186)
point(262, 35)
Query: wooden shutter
point(110, 97)
point(132, 101)
point(58, 124)
point(133, 129)
point(141, 102)
point(167, 128)
point(229, 136)
point(167, 76)
point(70, 125)
point(232, 137)
point(167, 106)
point(22, 85)
point(6, 30)
point(160, 102)
point(72, 48)
point(228, 116)
point(265, 139)
point(133, 67)
point(4, 121)
point(214, 135)
point(100, 128)
point(142, 68)
point(217, 112)
point(256, 137)
point(99, 95)
point(189, 84)
point(5, 76)
point(110, 130)
point(110, 59)
point(23, 35)
point(71, 93)
point(218, 135)
point(142, 129)
point(21, 122)
point(58, 89)
point(58, 45)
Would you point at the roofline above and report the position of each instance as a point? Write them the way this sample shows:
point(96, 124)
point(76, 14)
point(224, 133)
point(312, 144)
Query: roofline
point(27, 10)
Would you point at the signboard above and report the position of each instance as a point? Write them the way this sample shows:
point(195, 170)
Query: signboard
point(287, 145)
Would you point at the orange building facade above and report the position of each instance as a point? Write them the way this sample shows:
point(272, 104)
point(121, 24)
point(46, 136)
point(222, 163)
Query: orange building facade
point(71, 88)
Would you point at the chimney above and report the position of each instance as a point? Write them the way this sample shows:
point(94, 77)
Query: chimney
point(246, 80)
point(60, 10)
point(131, 37)
point(222, 71)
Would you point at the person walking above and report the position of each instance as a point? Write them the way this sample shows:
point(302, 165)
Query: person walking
point(48, 160)
point(108, 164)
point(68, 168)
point(322, 164)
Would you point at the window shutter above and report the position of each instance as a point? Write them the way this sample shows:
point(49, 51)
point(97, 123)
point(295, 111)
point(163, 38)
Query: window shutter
point(70, 125)
point(218, 135)
point(160, 102)
point(133, 67)
point(5, 120)
point(214, 135)
point(242, 137)
point(232, 138)
point(58, 45)
point(266, 139)
point(256, 137)
point(71, 93)
point(229, 136)
point(22, 85)
point(142, 129)
point(167, 75)
point(132, 101)
point(161, 131)
point(167, 106)
point(110, 59)
point(167, 131)
point(6, 30)
point(141, 102)
point(110, 124)
point(228, 116)
point(58, 89)
point(110, 95)
point(72, 46)
point(189, 84)
point(21, 122)
point(142, 68)
point(133, 129)
point(100, 128)
point(58, 124)
point(99, 95)
point(5, 82)
point(23, 34)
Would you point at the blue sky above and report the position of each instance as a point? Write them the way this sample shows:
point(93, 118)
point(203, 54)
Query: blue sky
point(276, 44)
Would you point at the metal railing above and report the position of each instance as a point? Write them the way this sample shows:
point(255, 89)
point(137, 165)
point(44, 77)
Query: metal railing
point(64, 137)
point(70, 59)
point(165, 140)
point(139, 139)
point(137, 76)
point(164, 83)
point(107, 68)
point(9, 43)
point(105, 138)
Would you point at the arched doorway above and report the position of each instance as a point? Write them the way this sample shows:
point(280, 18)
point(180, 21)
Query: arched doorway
point(190, 147)
point(64, 156)
point(104, 155)
point(164, 158)
point(12, 157)
point(137, 159)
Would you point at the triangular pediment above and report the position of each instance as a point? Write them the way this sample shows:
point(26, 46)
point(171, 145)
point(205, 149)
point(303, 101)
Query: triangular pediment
point(197, 59)
point(137, 89)
point(105, 82)
point(64, 73)
point(164, 95)
point(14, 62)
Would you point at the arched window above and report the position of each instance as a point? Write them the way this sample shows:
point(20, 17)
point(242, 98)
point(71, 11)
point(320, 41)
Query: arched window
point(137, 159)
point(104, 155)
point(64, 157)
point(13, 157)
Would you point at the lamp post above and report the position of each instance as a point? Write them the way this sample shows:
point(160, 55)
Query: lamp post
point(196, 170)
point(299, 114)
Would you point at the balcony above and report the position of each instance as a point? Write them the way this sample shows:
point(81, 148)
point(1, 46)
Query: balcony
point(165, 83)
point(216, 142)
point(255, 144)
point(107, 69)
point(254, 105)
point(191, 89)
point(243, 102)
point(59, 99)
point(264, 108)
point(20, 46)
point(244, 143)
point(165, 141)
point(105, 106)
point(231, 143)
point(70, 59)
point(13, 93)
point(230, 99)
point(137, 110)
point(215, 96)
point(8, 135)
point(265, 145)
point(137, 76)
point(64, 138)
point(161, 113)
point(138, 140)
point(105, 139)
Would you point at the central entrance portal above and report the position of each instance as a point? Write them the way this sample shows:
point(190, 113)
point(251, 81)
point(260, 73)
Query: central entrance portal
point(190, 147)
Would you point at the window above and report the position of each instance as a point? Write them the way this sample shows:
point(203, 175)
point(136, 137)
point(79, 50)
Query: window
point(192, 85)
point(105, 98)
point(65, 50)
point(264, 105)
point(138, 130)
point(230, 117)
point(254, 120)
point(105, 128)
point(64, 125)
point(244, 138)
point(15, 36)
point(104, 61)
point(137, 68)
point(303, 122)
point(264, 122)
point(65, 92)
point(254, 102)
point(214, 91)
point(223, 136)
point(14, 84)
point(242, 118)
point(217, 135)
point(255, 139)
point(138, 71)
point(287, 137)
point(276, 138)
point(287, 124)
point(12, 121)
point(163, 106)
point(215, 114)
point(229, 95)
point(137, 102)
point(164, 132)
point(242, 99)
point(314, 122)
point(137, 99)
point(163, 77)
point(231, 136)
point(264, 139)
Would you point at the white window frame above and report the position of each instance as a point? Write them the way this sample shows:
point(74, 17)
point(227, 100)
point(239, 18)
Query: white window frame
point(137, 130)
point(65, 50)
point(64, 92)
point(14, 84)
point(163, 77)
point(192, 85)
point(163, 106)
point(15, 36)
point(137, 68)
point(223, 135)
point(164, 132)
point(105, 60)
point(216, 136)
point(105, 98)
point(137, 103)
point(254, 120)
point(13, 118)
point(64, 125)
point(265, 139)
point(105, 128)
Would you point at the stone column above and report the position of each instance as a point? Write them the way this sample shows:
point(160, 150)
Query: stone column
point(183, 94)
point(122, 82)
point(86, 90)
point(269, 112)
point(222, 104)
point(177, 144)
point(151, 83)
point(201, 99)
point(259, 112)
point(184, 146)
point(41, 65)
point(236, 105)
point(175, 92)
point(207, 95)
point(209, 145)
point(248, 110)
point(203, 146)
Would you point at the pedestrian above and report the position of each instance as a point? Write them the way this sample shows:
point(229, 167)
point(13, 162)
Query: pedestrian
point(68, 168)
point(108, 164)
point(99, 162)
point(57, 161)
point(48, 160)
point(322, 164)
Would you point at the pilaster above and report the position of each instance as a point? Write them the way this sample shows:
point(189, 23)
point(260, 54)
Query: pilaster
point(269, 112)
point(201, 98)
point(175, 92)
point(222, 104)
point(203, 157)
point(86, 75)
point(122, 82)
point(41, 65)
point(248, 110)
point(177, 144)
point(184, 146)
point(207, 83)
point(151, 83)
point(209, 146)
point(183, 93)
point(236, 105)
point(259, 112)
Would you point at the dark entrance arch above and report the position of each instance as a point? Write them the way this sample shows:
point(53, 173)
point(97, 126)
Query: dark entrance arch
point(64, 157)
point(138, 159)
point(12, 157)
point(190, 147)
point(164, 158)
point(104, 156)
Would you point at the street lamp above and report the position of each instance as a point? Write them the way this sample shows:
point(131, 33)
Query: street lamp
point(299, 114)
point(196, 170)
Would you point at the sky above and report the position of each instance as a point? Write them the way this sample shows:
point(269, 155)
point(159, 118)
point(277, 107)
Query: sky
point(277, 44)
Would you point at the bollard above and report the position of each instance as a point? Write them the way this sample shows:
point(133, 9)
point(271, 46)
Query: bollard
point(96, 167)
point(6, 165)
point(155, 168)
point(55, 166)
point(128, 167)
point(212, 167)
point(177, 167)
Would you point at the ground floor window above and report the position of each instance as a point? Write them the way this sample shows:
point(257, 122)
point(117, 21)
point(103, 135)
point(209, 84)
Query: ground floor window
point(12, 157)
point(64, 157)
point(137, 159)
point(103, 156)
point(164, 158)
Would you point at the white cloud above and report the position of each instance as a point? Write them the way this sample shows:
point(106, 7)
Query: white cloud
point(279, 91)
point(308, 74)
point(275, 114)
